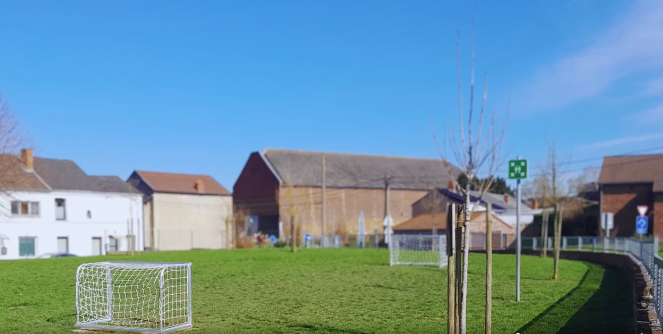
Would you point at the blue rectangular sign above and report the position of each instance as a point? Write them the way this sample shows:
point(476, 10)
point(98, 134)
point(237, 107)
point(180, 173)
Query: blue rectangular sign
point(641, 225)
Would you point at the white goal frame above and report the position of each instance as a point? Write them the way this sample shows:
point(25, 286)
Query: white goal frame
point(146, 297)
point(409, 249)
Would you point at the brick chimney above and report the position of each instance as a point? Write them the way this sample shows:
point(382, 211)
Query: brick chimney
point(200, 186)
point(535, 204)
point(27, 159)
point(506, 199)
point(451, 186)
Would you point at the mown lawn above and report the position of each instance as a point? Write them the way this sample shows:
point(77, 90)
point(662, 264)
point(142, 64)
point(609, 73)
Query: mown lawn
point(336, 291)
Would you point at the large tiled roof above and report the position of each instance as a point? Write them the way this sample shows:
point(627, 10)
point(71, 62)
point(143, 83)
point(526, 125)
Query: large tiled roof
point(633, 169)
point(56, 174)
point(425, 222)
point(303, 168)
point(181, 183)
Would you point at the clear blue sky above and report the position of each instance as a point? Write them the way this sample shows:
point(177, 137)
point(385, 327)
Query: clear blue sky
point(195, 86)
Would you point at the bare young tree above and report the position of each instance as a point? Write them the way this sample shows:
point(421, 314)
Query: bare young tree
point(478, 156)
point(13, 172)
point(289, 200)
point(552, 191)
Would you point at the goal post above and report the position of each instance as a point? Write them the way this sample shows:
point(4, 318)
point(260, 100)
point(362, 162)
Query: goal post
point(146, 297)
point(407, 249)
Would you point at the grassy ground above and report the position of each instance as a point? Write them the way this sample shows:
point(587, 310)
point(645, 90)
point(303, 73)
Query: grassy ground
point(336, 291)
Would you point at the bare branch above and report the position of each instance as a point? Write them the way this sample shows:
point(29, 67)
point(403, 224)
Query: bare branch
point(460, 102)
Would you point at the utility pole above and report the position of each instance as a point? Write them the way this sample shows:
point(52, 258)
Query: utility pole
point(518, 239)
point(324, 199)
point(386, 195)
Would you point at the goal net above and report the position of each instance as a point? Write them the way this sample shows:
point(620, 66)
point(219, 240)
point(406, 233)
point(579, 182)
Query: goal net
point(134, 296)
point(418, 250)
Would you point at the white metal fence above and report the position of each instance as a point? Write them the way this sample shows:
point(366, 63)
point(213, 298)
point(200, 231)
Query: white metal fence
point(644, 250)
point(587, 244)
point(418, 250)
point(647, 252)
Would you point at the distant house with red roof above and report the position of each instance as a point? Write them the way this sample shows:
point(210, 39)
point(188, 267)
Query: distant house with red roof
point(184, 211)
point(628, 181)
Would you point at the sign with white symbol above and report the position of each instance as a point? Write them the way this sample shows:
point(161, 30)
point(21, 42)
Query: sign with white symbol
point(641, 225)
point(518, 169)
point(607, 221)
point(272, 239)
point(642, 210)
point(307, 237)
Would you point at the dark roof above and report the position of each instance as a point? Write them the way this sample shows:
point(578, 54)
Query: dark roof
point(425, 222)
point(626, 169)
point(64, 175)
point(302, 168)
point(56, 174)
point(114, 184)
point(181, 183)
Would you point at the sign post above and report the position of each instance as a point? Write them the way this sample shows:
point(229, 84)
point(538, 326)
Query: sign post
point(518, 171)
point(642, 221)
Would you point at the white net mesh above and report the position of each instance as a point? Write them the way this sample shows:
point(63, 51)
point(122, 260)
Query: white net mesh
point(418, 250)
point(134, 296)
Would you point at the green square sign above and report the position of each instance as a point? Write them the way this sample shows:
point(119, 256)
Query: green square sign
point(518, 169)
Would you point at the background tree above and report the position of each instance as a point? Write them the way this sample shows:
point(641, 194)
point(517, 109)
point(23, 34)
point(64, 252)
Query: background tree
point(498, 185)
point(551, 190)
point(289, 199)
point(12, 140)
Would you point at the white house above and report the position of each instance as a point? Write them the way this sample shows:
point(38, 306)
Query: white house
point(57, 208)
point(504, 207)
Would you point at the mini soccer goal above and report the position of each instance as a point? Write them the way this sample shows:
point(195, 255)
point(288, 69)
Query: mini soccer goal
point(418, 250)
point(134, 296)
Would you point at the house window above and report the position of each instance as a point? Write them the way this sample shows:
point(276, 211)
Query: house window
point(26, 246)
point(20, 208)
point(60, 211)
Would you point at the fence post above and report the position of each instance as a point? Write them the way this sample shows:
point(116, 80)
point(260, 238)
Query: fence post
point(594, 245)
point(563, 243)
point(579, 243)
point(655, 250)
point(534, 243)
point(442, 247)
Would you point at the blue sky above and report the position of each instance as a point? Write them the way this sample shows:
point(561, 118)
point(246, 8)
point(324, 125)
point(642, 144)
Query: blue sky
point(194, 87)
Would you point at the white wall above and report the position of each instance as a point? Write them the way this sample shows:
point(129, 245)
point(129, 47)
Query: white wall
point(184, 222)
point(110, 216)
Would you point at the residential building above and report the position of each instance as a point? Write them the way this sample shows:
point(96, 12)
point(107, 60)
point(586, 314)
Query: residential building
point(278, 184)
point(627, 182)
point(503, 206)
point(184, 211)
point(57, 208)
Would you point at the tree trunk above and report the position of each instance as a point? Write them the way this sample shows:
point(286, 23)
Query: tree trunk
point(544, 234)
point(489, 270)
point(558, 237)
point(293, 234)
point(466, 253)
point(451, 266)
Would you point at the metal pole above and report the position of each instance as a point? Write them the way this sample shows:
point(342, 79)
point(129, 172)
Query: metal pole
point(518, 240)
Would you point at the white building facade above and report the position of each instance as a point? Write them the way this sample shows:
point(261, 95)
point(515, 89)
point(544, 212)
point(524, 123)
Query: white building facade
point(103, 215)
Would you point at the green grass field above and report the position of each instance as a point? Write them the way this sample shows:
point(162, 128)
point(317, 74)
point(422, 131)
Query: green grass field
point(336, 291)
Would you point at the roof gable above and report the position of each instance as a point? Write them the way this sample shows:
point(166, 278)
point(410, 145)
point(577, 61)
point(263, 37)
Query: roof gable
point(633, 169)
point(180, 183)
point(301, 168)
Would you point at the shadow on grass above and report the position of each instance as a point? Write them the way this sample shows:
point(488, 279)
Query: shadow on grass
point(600, 303)
point(324, 329)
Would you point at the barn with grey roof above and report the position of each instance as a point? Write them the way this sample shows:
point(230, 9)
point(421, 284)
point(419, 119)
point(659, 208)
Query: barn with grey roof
point(277, 182)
